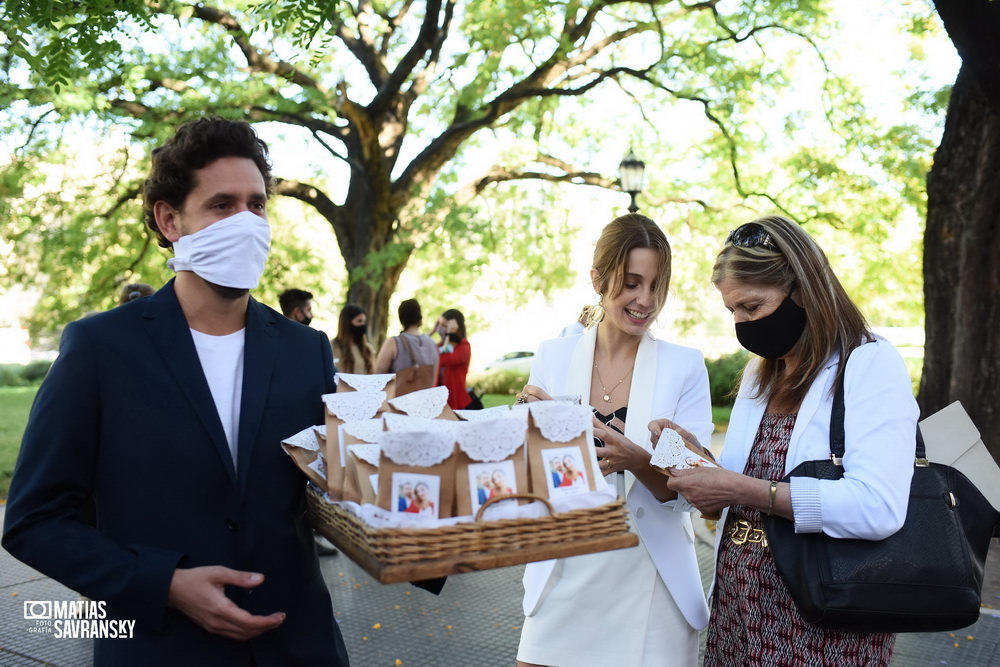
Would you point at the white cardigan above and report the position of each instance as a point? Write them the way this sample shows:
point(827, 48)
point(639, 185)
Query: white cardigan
point(880, 422)
point(669, 381)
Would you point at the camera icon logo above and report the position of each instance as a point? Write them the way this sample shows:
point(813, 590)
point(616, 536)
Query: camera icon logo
point(38, 610)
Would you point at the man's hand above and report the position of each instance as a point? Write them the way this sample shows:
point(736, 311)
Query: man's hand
point(198, 593)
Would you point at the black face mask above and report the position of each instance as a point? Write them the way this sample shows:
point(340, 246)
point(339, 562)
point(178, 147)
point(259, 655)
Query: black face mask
point(359, 330)
point(774, 336)
point(306, 320)
point(454, 338)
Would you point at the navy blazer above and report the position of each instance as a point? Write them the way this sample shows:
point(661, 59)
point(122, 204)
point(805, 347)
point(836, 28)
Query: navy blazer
point(125, 420)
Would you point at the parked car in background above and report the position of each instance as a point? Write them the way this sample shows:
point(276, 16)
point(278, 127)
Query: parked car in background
point(512, 361)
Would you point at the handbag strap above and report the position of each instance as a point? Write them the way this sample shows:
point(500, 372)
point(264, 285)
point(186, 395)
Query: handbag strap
point(409, 350)
point(837, 426)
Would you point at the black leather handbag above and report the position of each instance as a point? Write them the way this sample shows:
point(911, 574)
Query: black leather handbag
point(926, 577)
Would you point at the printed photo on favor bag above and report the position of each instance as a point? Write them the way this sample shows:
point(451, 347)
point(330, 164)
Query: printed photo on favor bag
point(416, 494)
point(489, 480)
point(566, 472)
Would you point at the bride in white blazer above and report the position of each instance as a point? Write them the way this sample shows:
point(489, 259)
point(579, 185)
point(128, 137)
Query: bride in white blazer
point(644, 605)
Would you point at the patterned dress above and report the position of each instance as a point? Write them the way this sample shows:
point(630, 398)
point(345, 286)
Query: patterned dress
point(754, 620)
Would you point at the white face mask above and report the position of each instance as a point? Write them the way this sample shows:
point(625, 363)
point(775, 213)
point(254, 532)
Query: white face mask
point(229, 253)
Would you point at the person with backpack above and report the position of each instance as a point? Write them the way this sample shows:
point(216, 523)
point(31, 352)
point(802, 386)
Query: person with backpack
point(411, 355)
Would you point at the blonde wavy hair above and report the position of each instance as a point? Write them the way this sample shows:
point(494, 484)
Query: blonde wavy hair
point(618, 239)
point(789, 259)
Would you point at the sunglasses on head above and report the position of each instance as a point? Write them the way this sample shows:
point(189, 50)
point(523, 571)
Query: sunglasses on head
point(751, 235)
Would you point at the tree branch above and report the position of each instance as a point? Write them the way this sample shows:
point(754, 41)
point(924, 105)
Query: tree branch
point(256, 59)
point(325, 206)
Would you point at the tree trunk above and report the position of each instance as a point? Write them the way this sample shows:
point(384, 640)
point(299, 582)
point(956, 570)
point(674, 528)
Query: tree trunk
point(375, 300)
point(962, 257)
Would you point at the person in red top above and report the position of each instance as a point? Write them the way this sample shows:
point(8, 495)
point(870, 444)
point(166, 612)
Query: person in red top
point(455, 355)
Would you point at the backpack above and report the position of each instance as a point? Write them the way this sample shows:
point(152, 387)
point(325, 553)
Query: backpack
point(419, 376)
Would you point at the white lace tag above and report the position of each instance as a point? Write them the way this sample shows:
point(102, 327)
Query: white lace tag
point(486, 413)
point(491, 440)
point(672, 452)
point(304, 439)
point(369, 383)
point(396, 422)
point(350, 406)
point(559, 421)
point(369, 453)
point(366, 430)
point(417, 448)
point(424, 403)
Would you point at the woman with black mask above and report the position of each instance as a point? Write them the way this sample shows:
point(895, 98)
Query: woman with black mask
point(455, 356)
point(792, 312)
point(352, 353)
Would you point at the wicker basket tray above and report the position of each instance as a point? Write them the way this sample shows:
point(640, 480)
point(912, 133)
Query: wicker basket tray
point(392, 555)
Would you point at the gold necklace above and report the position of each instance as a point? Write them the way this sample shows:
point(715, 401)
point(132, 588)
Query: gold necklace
point(607, 393)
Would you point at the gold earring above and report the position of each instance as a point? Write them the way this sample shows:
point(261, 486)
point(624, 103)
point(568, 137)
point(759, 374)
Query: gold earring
point(597, 311)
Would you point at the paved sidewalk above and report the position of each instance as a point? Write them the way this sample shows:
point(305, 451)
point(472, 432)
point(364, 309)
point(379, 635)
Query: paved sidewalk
point(475, 621)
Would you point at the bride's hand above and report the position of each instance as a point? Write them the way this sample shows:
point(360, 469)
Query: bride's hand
point(532, 393)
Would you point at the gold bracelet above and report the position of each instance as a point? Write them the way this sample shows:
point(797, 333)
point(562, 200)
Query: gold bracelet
point(770, 498)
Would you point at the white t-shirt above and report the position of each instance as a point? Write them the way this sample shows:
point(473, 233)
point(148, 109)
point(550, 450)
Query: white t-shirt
point(222, 361)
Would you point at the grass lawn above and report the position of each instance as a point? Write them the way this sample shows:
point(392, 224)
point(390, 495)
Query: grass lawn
point(15, 402)
point(720, 416)
point(493, 400)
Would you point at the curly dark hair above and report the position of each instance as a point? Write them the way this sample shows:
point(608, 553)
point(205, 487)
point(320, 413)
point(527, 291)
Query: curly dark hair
point(195, 145)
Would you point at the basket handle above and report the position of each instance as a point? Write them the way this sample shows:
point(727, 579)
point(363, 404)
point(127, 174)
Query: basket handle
point(510, 496)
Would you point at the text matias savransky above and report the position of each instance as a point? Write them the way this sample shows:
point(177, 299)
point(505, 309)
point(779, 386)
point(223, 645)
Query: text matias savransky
point(75, 619)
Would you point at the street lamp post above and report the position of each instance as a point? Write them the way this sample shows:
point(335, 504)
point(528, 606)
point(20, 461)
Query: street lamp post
point(630, 173)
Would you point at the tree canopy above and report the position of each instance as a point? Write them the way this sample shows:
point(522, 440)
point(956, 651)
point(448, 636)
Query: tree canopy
point(442, 135)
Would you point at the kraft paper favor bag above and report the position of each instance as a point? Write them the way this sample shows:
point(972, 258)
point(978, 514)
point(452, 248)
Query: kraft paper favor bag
point(428, 403)
point(416, 473)
point(343, 408)
point(369, 383)
point(951, 438)
point(491, 461)
point(361, 476)
point(305, 448)
point(562, 460)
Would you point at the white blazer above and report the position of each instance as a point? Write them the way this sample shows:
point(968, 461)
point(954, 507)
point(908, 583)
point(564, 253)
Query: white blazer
point(880, 422)
point(669, 381)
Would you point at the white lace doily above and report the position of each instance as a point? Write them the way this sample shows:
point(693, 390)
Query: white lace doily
point(559, 421)
point(369, 453)
point(350, 406)
point(491, 440)
point(367, 383)
point(672, 452)
point(304, 439)
point(485, 413)
point(424, 403)
point(366, 429)
point(397, 422)
point(417, 448)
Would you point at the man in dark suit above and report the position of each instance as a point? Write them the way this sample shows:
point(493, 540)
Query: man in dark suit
point(166, 414)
